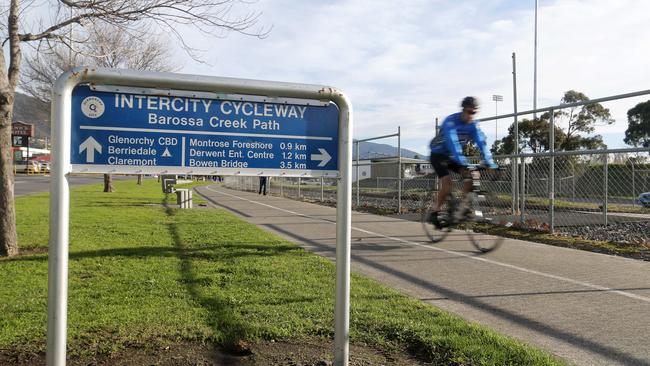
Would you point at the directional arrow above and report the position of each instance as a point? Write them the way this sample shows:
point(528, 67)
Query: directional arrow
point(324, 157)
point(90, 145)
point(166, 153)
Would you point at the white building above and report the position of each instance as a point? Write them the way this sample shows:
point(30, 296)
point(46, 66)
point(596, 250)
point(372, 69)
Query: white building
point(364, 169)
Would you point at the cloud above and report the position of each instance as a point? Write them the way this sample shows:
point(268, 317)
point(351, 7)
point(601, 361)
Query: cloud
point(404, 63)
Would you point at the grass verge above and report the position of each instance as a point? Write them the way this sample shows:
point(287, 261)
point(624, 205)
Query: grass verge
point(141, 272)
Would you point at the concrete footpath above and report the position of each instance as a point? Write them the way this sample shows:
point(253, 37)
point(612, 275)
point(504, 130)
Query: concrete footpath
point(588, 308)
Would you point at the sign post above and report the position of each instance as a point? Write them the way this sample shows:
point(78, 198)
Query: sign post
point(123, 121)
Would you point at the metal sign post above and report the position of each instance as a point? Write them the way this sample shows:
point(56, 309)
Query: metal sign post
point(133, 122)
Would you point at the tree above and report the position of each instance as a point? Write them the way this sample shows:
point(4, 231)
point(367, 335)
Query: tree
point(582, 119)
point(638, 125)
point(470, 149)
point(534, 134)
point(207, 16)
point(105, 46)
point(533, 137)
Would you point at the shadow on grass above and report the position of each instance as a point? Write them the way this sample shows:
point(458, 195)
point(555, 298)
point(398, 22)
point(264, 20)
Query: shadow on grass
point(228, 326)
point(207, 252)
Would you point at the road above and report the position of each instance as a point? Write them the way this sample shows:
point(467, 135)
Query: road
point(27, 184)
point(588, 308)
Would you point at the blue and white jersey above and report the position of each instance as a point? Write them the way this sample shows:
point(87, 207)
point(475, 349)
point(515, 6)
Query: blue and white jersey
point(455, 133)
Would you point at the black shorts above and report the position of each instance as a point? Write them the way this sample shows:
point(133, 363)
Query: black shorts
point(442, 164)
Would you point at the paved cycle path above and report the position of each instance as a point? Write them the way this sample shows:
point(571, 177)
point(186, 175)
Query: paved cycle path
point(591, 309)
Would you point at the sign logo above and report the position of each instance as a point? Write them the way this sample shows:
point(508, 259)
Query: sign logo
point(92, 107)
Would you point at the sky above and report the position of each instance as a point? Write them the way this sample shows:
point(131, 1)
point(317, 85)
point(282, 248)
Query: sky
point(405, 63)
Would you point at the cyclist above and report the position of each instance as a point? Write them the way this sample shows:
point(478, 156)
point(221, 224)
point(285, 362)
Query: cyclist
point(457, 130)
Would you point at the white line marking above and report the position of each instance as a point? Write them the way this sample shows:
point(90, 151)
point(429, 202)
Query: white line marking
point(485, 260)
point(128, 129)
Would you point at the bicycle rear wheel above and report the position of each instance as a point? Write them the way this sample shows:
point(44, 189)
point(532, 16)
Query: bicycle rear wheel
point(434, 233)
point(489, 214)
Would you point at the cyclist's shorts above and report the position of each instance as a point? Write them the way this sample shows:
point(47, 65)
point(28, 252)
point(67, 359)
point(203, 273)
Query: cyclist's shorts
point(442, 164)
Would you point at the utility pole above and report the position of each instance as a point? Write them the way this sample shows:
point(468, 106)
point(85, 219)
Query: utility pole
point(535, 68)
point(515, 158)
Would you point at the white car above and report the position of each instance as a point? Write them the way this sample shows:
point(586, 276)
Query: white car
point(24, 166)
point(45, 166)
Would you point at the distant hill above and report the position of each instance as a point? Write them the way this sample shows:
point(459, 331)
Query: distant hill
point(368, 150)
point(33, 111)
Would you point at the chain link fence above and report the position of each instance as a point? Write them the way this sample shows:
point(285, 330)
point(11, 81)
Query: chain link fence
point(593, 195)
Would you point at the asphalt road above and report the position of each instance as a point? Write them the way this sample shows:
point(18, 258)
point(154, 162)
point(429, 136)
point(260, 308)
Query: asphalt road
point(588, 308)
point(27, 184)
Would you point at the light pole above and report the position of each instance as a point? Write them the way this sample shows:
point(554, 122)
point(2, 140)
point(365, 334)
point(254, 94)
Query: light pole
point(535, 67)
point(496, 99)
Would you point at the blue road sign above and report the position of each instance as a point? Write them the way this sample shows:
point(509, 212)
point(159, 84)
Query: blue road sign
point(123, 132)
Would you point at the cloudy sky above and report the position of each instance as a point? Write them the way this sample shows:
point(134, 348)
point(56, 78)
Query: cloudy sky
point(403, 63)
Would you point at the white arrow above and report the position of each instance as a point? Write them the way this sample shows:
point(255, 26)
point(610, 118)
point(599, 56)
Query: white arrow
point(90, 145)
point(324, 157)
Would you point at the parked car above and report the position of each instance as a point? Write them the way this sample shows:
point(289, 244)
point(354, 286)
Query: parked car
point(644, 199)
point(44, 166)
point(24, 166)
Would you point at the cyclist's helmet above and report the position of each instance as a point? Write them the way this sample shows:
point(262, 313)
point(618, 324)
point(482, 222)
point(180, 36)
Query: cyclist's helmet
point(469, 102)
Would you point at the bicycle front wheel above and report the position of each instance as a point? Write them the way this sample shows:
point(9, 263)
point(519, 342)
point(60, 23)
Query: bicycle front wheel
point(488, 216)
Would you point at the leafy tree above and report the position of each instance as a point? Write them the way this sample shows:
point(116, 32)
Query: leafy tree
point(582, 119)
point(533, 137)
point(534, 134)
point(638, 125)
point(20, 27)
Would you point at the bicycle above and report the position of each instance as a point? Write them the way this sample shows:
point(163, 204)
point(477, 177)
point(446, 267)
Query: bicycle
point(484, 213)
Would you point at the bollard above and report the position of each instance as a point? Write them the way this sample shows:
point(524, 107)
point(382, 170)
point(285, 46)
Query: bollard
point(184, 198)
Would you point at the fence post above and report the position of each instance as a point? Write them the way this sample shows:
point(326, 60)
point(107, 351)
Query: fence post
point(282, 188)
point(299, 181)
point(399, 170)
point(573, 180)
point(551, 193)
point(513, 181)
point(633, 188)
point(321, 188)
point(522, 189)
point(358, 179)
point(605, 183)
point(515, 173)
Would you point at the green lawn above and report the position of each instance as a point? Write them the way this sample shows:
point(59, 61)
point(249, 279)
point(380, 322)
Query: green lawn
point(142, 273)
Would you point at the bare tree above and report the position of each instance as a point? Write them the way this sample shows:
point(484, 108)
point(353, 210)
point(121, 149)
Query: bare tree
point(210, 17)
point(106, 46)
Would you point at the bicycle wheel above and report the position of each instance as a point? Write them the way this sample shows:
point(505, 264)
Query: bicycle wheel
point(488, 215)
point(428, 204)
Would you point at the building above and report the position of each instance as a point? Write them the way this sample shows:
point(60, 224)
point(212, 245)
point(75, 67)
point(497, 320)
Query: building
point(411, 168)
point(364, 169)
